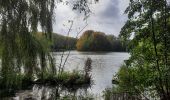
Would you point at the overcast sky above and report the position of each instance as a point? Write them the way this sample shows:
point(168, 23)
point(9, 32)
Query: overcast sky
point(107, 16)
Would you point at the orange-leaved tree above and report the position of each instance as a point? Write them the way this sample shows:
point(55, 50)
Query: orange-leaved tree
point(93, 41)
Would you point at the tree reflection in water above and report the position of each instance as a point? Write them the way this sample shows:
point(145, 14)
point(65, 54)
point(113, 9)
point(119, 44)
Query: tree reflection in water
point(41, 92)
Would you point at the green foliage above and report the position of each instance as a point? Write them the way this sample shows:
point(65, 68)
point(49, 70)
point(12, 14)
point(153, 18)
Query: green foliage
point(107, 93)
point(63, 42)
point(98, 41)
point(20, 49)
point(116, 44)
point(81, 97)
point(73, 79)
point(83, 6)
point(147, 70)
point(128, 78)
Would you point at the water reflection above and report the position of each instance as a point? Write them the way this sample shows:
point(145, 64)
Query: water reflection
point(40, 92)
point(104, 66)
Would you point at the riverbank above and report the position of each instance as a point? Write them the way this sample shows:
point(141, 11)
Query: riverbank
point(75, 79)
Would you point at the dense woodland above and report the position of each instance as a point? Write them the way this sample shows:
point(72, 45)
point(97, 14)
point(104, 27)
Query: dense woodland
point(61, 42)
point(147, 72)
point(98, 41)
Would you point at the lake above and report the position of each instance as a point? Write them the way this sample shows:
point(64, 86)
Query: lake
point(104, 66)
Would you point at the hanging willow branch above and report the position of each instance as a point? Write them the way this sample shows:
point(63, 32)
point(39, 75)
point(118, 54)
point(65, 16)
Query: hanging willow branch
point(19, 46)
point(21, 50)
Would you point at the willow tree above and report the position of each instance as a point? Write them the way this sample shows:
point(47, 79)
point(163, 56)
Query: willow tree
point(149, 62)
point(20, 49)
point(21, 52)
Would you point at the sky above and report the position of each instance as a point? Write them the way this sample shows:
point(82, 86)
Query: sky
point(106, 16)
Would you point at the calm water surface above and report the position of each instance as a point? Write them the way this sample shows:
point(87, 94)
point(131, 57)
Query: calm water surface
point(104, 66)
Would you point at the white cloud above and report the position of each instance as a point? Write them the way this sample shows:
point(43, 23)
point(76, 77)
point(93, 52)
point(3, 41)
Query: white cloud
point(107, 16)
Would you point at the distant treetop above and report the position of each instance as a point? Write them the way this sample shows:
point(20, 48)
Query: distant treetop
point(98, 41)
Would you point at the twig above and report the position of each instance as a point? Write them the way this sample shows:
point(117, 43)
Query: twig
point(81, 30)
point(68, 45)
point(62, 69)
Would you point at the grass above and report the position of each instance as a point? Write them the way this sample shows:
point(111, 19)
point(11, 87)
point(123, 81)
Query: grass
point(66, 79)
point(75, 79)
point(81, 97)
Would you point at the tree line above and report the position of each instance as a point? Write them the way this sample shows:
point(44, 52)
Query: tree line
point(89, 41)
point(61, 42)
point(99, 41)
